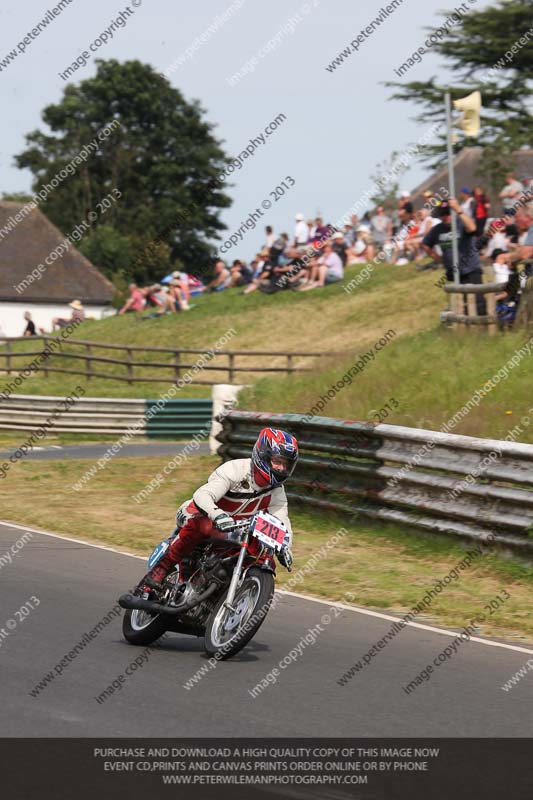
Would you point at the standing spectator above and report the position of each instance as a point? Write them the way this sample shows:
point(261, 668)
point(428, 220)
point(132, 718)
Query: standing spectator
point(405, 202)
point(467, 202)
point(270, 238)
point(511, 192)
point(278, 248)
point(322, 231)
point(29, 330)
point(135, 302)
point(469, 264)
point(481, 210)
point(301, 231)
point(380, 228)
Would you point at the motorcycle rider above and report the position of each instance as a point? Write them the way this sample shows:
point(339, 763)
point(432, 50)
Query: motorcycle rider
point(237, 489)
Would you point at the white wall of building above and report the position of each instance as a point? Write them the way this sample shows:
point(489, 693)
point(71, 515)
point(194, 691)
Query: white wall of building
point(12, 321)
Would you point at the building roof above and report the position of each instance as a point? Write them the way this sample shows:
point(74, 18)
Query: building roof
point(466, 168)
point(26, 239)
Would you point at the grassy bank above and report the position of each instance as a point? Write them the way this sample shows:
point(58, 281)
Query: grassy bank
point(429, 376)
point(324, 320)
point(384, 566)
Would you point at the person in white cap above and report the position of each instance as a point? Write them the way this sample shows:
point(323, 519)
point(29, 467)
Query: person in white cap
point(301, 231)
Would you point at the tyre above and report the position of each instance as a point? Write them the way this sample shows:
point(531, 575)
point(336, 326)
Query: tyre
point(228, 631)
point(141, 627)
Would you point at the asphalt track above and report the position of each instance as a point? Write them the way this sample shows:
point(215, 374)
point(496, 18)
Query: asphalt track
point(96, 451)
point(77, 585)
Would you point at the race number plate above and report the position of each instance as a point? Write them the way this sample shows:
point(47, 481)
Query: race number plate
point(269, 530)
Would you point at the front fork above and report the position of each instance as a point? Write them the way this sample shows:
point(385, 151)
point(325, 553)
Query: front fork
point(235, 578)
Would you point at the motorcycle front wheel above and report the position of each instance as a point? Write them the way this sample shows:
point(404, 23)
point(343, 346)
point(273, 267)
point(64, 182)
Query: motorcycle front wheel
point(141, 627)
point(229, 630)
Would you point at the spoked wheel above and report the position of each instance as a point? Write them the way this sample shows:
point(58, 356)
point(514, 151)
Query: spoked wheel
point(141, 627)
point(229, 630)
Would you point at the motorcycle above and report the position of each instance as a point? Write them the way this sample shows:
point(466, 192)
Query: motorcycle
point(223, 594)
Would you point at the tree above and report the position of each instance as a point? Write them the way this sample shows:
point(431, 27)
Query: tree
point(107, 249)
point(385, 178)
point(484, 51)
point(159, 152)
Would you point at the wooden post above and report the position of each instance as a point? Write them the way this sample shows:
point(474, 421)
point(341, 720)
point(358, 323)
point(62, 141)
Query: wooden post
point(177, 355)
point(471, 306)
point(231, 367)
point(290, 367)
point(130, 366)
point(88, 363)
point(8, 357)
point(491, 312)
point(46, 357)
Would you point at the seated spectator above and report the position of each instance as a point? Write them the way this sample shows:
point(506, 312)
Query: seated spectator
point(363, 249)
point(222, 278)
point(135, 302)
point(501, 260)
point(78, 314)
point(321, 230)
point(339, 246)
point(178, 295)
point(405, 203)
point(241, 274)
point(328, 270)
point(29, 330)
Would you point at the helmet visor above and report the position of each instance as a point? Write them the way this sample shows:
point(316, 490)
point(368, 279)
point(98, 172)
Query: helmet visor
point(281, 466)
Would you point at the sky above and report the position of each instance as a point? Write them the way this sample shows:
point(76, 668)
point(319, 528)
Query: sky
point(338, 124)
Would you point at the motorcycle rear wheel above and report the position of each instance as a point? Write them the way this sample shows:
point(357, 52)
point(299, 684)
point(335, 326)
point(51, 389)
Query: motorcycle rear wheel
point(227, 632)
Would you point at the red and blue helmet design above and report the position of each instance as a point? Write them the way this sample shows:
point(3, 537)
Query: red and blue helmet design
point(272, 442)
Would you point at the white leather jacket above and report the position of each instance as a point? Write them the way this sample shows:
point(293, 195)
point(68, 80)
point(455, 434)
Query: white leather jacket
point(231, 489)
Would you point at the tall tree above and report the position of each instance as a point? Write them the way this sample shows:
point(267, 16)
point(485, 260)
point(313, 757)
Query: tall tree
point(490, 50)
point(163, 157)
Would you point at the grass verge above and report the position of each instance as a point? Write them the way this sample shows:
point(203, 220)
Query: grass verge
point(384, 566)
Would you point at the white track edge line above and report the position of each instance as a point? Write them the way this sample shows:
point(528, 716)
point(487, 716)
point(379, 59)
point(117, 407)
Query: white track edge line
point(355, 609)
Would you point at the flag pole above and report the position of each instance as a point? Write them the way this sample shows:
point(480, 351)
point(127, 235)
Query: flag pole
point(451, 184)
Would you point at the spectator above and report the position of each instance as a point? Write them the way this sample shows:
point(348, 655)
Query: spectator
point(135, 302)
point(301, 231)
point(405, 202)
point(349, 235)
point(241, 274)
point(363, 249)
point(77, 315)
point(177, 295)
point(501, 265)
point(322, 231)
point(270, 238)
point(339, 246)
point(481, 210)
point(328, 270)
point(276, 255)
point(29, 330)
point(380, 228)
point(222, 278)
point(467, 201)
point(183, 278)
point(510, 193)
point(312, 229)
point(469, 265)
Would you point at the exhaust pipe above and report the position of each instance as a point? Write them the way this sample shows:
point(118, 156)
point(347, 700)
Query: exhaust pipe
point(138, 603)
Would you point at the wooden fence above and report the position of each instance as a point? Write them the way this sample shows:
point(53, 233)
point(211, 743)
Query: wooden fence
point(172, 363)
point(464, 300)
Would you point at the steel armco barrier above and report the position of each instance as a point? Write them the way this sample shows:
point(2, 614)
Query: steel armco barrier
point(390, 473)
point(108, 415)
